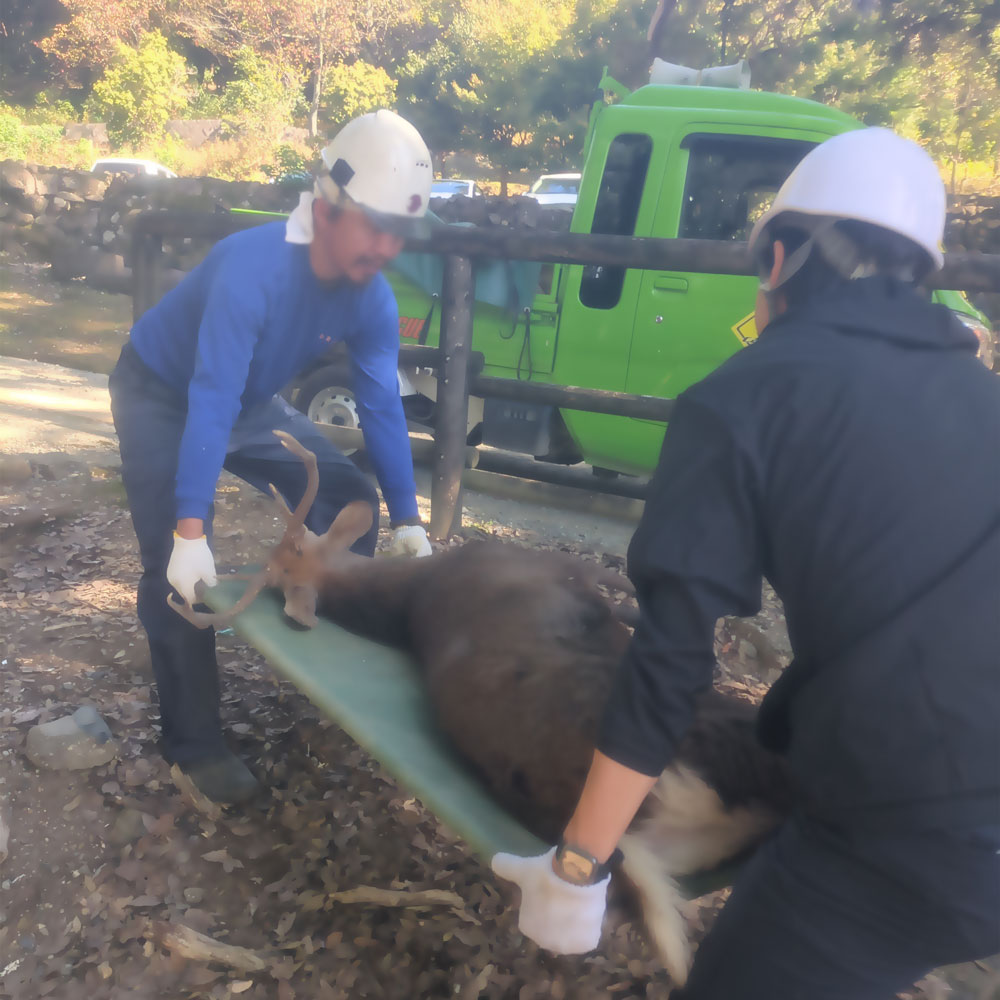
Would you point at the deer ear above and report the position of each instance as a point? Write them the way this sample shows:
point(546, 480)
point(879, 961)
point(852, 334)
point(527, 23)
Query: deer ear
point(349, 525)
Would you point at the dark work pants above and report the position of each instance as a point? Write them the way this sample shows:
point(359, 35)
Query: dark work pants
point(149, 418)
point(826, 914)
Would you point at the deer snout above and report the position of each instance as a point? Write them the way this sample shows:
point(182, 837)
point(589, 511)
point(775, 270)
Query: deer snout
point(300, 605)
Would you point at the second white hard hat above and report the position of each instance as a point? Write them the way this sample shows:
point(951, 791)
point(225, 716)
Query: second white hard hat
point(382, 164)
point(869, 175)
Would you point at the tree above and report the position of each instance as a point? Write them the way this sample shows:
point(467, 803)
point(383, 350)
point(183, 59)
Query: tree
point(316, 33)
point(475, 88)
point(22, 24)
point(141, 90)
point(950, 102)
point(261, 100)
point(89, 41)
point(355, 89)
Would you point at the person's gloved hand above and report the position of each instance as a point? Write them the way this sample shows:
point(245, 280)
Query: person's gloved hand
point(555, 914)
point(410, 540)
point(190, 561)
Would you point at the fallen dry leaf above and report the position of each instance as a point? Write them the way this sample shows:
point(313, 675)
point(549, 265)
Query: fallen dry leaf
point(284, 925)
point(223, 858)
point(192, 796)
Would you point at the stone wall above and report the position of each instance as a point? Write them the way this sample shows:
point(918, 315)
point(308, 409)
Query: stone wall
point(974, 225)
point(79, 222)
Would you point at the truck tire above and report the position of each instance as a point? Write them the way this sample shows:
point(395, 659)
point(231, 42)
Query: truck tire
point(326, 396)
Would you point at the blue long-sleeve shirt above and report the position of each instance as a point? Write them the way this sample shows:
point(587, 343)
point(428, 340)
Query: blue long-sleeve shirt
point(248, 319)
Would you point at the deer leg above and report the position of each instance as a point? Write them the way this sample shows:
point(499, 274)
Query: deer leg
point(661, 902)
point(688, 829)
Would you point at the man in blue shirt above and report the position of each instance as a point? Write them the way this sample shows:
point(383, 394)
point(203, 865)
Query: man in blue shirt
point(195, 391)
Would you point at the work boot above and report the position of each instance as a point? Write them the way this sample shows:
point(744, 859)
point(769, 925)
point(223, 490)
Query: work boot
point(225, 780)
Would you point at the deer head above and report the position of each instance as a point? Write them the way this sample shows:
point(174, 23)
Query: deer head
point(296, 564)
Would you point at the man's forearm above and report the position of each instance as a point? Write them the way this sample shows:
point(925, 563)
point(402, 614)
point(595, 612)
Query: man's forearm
point(611, 797)
point(190, 527)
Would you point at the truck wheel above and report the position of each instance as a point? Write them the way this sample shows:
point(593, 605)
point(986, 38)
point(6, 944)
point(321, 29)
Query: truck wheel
point(327, 397)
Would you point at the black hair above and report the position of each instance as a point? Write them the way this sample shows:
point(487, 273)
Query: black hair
point(889, 252)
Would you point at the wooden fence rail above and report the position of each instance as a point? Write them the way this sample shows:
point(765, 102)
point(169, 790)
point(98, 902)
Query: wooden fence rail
point(460, 245)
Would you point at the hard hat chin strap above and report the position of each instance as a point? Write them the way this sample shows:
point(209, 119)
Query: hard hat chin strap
point(841, 253)
point(791, 265)
point(330, 192)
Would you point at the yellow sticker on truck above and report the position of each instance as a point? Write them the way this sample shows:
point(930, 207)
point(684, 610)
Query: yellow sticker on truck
point(746, 330)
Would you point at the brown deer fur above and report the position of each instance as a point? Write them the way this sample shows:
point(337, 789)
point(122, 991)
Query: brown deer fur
point(519, 648)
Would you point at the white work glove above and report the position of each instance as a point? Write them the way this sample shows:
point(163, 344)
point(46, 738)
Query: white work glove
point(410, 540)
point(190, 561)
point(555, 914)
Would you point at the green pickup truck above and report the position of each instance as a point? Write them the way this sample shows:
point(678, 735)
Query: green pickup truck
point(665, 161)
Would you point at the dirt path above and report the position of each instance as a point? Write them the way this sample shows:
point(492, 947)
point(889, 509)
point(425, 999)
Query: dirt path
point(102, 863)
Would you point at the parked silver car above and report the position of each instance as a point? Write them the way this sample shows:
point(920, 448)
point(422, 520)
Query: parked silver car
point(555, 189)
point(131, 166)
point(448, 188)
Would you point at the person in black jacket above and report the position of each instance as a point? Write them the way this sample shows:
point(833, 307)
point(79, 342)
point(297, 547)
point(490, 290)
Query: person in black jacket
point(852, 457)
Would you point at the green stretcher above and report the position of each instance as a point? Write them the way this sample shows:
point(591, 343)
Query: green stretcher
point(375, 694)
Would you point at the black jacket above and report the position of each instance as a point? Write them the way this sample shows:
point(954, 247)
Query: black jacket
point(852, 456)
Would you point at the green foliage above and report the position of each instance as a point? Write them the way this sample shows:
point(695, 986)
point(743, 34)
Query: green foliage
point(49, 109)
point(263, 97)
point(79, 155)
point(509, 82)
point(514, 80)
point(13, 144)
point(950, 102)
point(925, 67)
point(141, 90)
point(206, 103)
point(20, 139)
point(287, 161)
point(355, 89)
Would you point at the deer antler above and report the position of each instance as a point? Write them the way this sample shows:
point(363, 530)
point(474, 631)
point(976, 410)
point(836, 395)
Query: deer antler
point(280, 559)
point(204, 619)
point(297, 519)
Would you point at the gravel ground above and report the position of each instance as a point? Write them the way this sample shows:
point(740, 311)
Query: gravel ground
point(108, 869)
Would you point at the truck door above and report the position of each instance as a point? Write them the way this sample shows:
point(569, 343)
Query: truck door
point(599, 302)
point(686, 324)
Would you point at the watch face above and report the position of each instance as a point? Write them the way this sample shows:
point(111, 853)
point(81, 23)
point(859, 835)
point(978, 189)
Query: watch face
point(576, 866)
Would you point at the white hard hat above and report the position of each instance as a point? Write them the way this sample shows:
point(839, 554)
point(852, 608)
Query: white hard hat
point(869, 175)
point(383, 165)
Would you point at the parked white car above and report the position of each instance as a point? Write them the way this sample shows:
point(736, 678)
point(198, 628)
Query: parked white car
point(451, 186)
point(555, 189)
point(126, 165)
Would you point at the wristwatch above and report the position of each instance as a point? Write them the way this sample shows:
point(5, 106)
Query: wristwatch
point(573, 864)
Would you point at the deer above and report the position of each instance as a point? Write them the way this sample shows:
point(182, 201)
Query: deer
point(518, 648)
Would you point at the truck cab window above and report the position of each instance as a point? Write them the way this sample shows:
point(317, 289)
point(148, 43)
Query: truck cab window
point(615, 213)
point(731, 180)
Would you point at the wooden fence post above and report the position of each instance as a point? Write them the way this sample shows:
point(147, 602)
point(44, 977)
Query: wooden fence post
point(450, 429)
